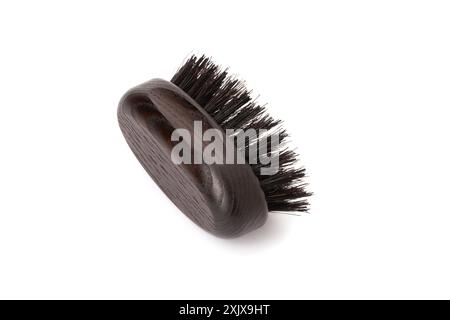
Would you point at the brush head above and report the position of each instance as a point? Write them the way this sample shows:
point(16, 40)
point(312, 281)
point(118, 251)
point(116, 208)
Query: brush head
point(230, 104)
point(226, 199)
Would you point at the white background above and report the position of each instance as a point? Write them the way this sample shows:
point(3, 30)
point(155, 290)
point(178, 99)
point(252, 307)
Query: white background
point(363, 88)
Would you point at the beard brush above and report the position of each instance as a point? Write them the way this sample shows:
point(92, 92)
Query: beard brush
point(225, 199)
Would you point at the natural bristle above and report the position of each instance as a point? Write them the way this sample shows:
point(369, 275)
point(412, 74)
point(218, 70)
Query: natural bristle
point(228, 101)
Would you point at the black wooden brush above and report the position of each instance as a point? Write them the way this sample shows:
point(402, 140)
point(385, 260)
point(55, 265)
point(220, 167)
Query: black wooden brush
point(225, 198)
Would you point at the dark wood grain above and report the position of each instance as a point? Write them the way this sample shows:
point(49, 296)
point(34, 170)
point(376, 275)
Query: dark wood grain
point(224, 199)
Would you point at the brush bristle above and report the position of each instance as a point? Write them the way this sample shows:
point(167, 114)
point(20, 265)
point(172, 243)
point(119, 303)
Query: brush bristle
point(230, 104)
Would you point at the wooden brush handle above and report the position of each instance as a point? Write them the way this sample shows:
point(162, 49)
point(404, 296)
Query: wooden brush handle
point(224, 199)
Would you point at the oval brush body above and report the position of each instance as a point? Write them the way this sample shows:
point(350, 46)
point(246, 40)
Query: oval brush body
point(226, 199)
